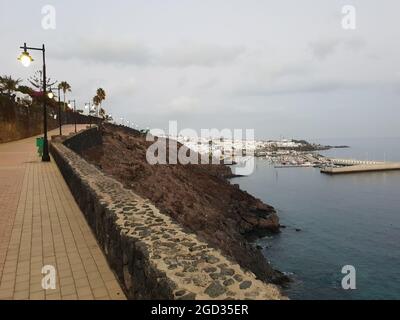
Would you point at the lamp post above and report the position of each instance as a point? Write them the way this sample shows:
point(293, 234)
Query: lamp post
point(26, 60)
point(50, 94)
point(59, 110)
point(87, 107)
point(89, 116)
point(69, 103)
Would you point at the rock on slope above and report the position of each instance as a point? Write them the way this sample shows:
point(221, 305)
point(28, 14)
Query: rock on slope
point(199, 197)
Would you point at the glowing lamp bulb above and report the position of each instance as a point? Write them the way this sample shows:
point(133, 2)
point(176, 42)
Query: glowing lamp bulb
point(25, 59)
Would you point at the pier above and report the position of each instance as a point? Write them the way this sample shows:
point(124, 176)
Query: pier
point(353, 166)
point(353, 162)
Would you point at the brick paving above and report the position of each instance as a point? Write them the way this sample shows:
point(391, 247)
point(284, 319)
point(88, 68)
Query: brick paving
point(41, 224)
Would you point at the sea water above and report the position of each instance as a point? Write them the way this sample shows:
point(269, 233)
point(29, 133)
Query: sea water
point(343, 220)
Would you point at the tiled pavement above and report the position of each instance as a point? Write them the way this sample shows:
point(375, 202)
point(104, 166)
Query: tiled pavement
point(41, 224)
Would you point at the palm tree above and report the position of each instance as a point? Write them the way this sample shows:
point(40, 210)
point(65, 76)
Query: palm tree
point(9, 84)
point(101, 94)
point(64, 86)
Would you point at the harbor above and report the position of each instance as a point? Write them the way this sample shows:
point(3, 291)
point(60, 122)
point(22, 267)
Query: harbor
point(293, 159)
point(282, 154)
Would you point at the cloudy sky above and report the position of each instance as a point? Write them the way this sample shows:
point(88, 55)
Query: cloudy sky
point(284, 68)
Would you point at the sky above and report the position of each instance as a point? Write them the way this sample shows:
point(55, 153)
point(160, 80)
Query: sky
point(283, 68)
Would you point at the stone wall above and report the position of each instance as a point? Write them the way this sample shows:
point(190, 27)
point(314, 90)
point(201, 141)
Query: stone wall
point(19, 122)
point(152, 256)
point(85, 140)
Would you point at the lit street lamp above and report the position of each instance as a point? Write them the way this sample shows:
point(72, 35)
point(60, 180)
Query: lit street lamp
point(26, 60)
point(69, 105)
point(87, 106)
point(59, 109)
point(25, 57)
point(51, 95)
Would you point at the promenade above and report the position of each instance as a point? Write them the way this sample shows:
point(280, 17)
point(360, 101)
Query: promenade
point(41, 224)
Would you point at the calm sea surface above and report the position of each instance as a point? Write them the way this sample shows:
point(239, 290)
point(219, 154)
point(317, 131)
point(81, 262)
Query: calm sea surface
point(344, 220)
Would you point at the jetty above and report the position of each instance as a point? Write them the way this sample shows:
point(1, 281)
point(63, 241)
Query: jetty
point(342, 166)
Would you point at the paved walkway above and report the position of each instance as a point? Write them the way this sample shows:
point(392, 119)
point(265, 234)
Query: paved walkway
point(41, 224)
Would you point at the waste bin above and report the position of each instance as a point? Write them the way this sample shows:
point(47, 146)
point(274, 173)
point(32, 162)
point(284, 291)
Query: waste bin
point(39, 145)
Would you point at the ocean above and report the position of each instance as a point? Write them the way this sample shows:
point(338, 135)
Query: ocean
point(343, 220)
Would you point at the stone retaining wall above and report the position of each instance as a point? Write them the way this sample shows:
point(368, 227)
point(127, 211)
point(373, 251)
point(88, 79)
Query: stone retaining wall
point(84, 140)
point(19, 122)
point(152, 256)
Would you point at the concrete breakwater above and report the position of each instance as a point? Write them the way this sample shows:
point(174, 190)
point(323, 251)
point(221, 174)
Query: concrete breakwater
point(152, 256)
point(354, 166)
point(384, 166)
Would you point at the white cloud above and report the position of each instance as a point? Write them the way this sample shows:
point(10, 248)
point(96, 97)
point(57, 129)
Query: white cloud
point(204, 55)
point(326, 47)
point(114, 51)
point(129, 52)
point(183, 104)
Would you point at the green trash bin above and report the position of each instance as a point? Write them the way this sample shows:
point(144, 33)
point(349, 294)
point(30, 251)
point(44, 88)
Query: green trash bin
point(39, 145)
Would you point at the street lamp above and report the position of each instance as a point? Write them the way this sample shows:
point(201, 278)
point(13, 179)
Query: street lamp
point(59, 109)
point(87, 106)
point(69, 105)
point(25, 57)
point(26, 60)
point(51, 95)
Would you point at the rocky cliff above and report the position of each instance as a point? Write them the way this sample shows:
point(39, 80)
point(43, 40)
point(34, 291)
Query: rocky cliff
point(152, 255)
point(199, 197)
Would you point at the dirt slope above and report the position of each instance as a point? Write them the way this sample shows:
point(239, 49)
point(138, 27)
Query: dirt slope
point(199, 197)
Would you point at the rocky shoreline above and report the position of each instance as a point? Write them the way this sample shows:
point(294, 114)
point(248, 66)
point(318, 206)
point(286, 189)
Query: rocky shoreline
point(198, 197)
